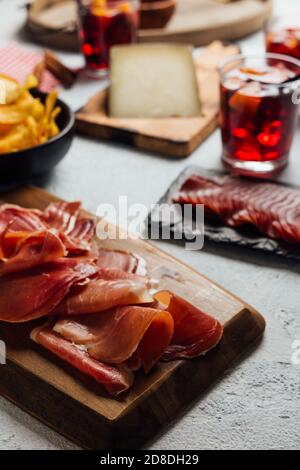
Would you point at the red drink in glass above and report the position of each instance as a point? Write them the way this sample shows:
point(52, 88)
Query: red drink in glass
point(103, 24)
point(283, 36)
point(258, 114)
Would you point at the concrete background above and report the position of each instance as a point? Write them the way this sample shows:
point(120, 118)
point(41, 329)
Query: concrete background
point(256, 405)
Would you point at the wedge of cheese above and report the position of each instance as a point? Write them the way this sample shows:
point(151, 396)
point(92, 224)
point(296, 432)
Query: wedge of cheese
point(153, 81)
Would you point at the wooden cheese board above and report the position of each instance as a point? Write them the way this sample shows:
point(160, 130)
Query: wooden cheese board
point(174, 137)
point(56, 394)
point(198, 22)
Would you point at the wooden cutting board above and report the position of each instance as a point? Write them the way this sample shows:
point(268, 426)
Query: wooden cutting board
point(174, 137)
point(62, 398)
point(198, 22)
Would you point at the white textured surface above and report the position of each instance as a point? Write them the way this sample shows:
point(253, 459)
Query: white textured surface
point(257, 404)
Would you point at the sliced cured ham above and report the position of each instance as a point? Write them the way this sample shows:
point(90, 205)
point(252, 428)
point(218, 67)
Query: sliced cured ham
point(122, 261)
point(195, 332)
point(20, 219)
point(272, 208)
point(114, 336)
point(115, 379)
point(77, 232)
point(25, 250)
point(104, 321)
point(62, 215)
point(113, 274)
point(32, 294)
point(131, 337)
point(101, 294)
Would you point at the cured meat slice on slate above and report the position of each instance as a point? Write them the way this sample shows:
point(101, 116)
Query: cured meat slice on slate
point(273, 209)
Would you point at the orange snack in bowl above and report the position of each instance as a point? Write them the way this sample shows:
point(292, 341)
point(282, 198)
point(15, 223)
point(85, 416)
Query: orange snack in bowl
point(24, 120)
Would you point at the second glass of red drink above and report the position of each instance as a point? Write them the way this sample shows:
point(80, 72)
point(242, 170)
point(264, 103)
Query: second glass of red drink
point(283, 35)
point(103, 24)
point(258, 112)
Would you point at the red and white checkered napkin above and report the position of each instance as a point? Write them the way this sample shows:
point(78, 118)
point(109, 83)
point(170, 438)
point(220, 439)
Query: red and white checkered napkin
point(18, 63)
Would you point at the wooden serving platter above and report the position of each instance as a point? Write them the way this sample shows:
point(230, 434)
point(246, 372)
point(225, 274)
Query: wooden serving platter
point(174, 137)
point(78, 408)
point(198, 22)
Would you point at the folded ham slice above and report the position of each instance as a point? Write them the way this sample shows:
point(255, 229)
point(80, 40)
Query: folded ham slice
point(195, 332)
point(62, 217)
point(101, 294)
point(100, 346)
point(77, 232)
point(115, 379)
point(132, 336)
point(35, 293)
point(20, 219)
point(24, 250)
point(114, 336)
point(122, 261)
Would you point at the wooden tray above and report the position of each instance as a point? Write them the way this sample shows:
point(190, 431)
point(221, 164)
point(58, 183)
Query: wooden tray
point(53, 22)
point(65, 400)
point(175, 137)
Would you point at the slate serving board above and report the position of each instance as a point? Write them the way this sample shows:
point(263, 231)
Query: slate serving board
point(217, 232)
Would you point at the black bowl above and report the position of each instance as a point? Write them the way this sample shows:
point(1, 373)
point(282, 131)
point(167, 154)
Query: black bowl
point(25, 165)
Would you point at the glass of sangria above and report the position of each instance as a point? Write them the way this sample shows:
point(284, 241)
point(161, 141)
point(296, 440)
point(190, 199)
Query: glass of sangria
point(103, 24)
point(283, 35)
point(258, 112)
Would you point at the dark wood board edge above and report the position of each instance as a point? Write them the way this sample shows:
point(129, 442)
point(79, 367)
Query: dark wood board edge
point(132, 138)
point(169, 399)
point(129, 137)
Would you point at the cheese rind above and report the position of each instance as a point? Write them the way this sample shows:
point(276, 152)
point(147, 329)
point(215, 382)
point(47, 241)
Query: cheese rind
point(153, 81)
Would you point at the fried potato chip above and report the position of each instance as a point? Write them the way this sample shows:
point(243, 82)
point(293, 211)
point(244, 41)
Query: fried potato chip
point(24, 120)
point(12, 88)
point(11, 114)
point(2, 93)
point(31, 82)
